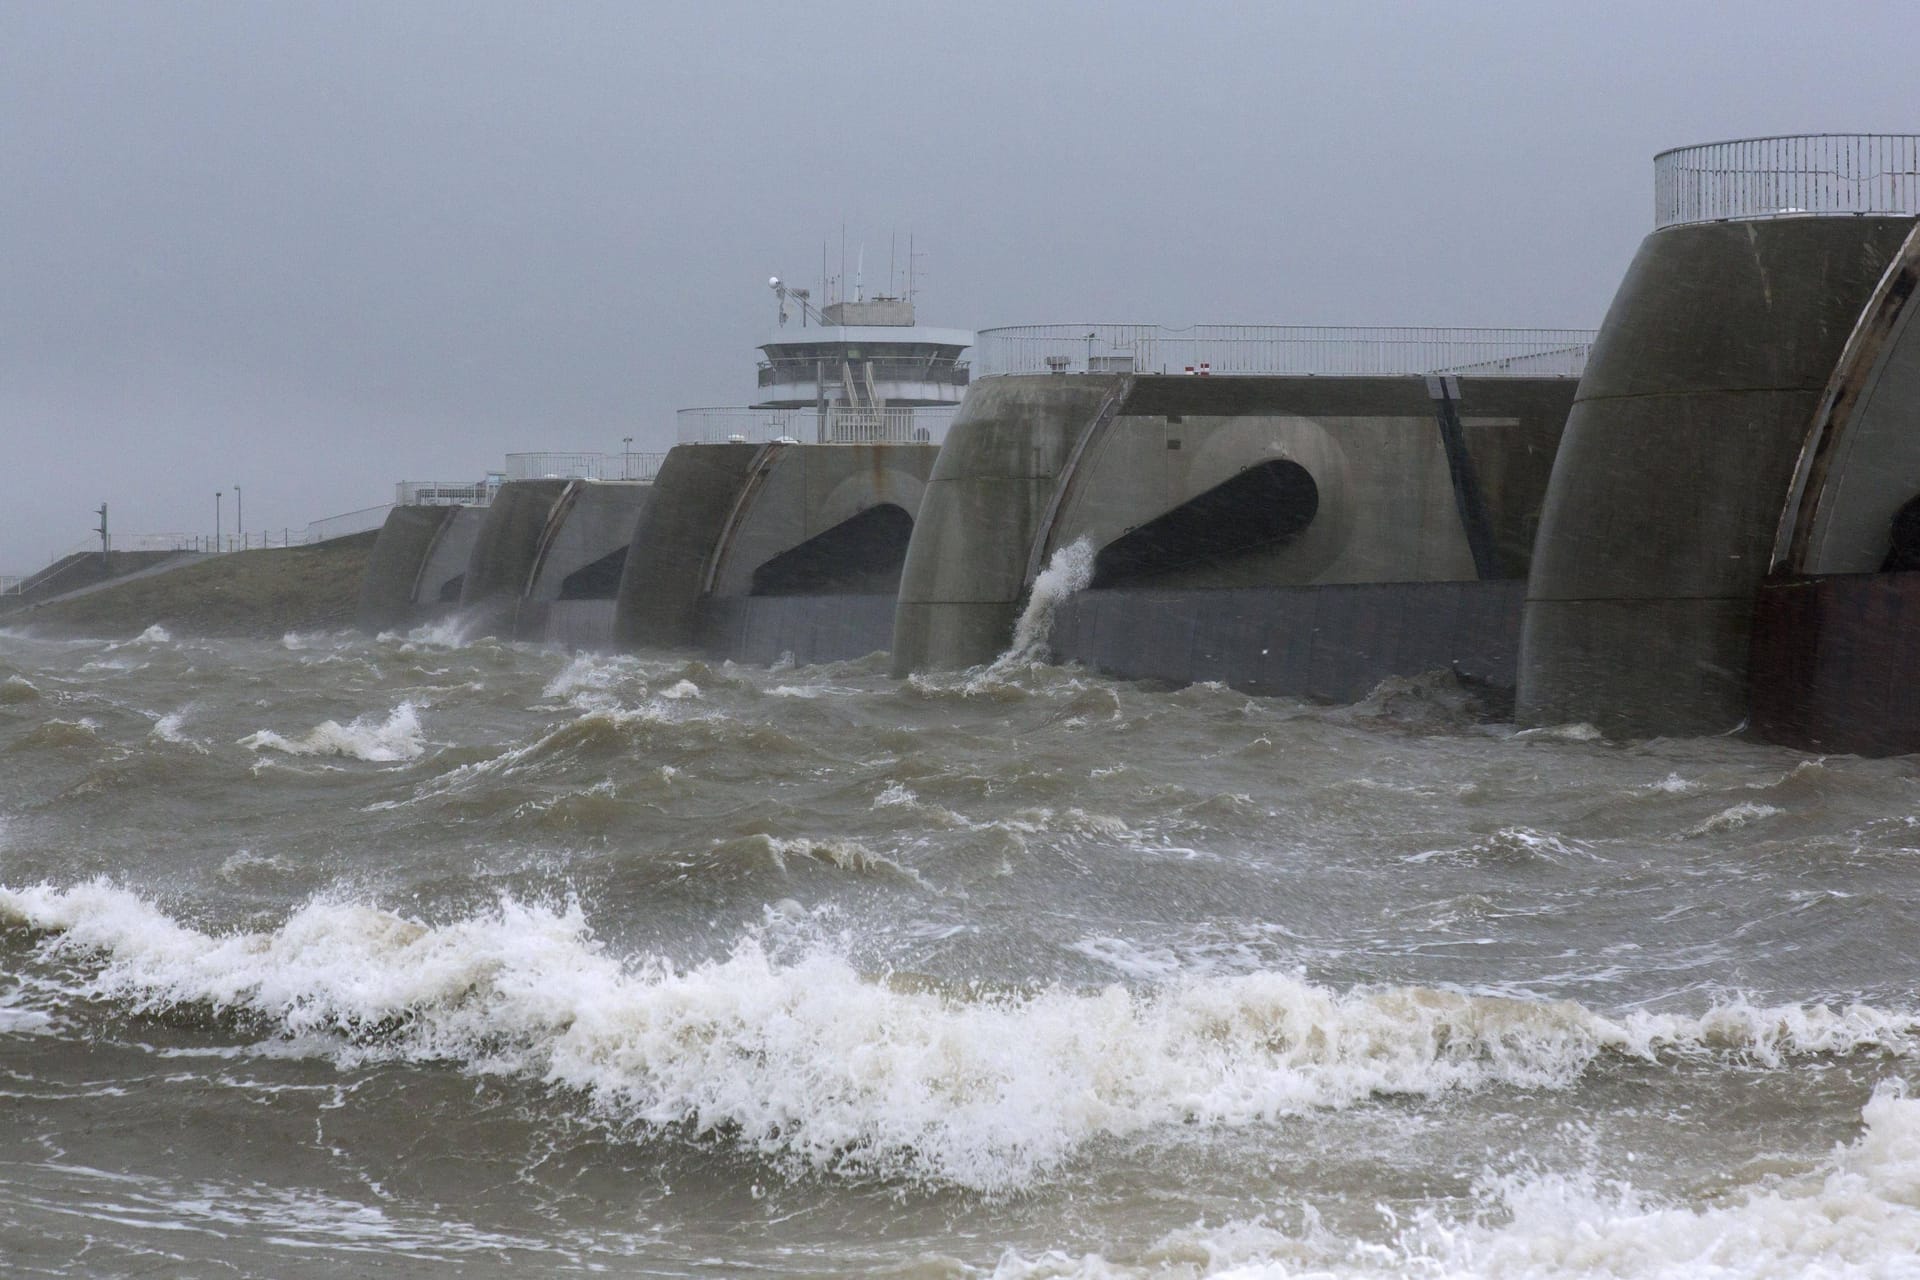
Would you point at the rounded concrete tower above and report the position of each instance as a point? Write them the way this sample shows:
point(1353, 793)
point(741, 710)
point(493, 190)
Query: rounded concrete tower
point(1667, 492)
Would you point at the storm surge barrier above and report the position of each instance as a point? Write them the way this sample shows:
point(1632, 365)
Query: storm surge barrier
point(1279, 350)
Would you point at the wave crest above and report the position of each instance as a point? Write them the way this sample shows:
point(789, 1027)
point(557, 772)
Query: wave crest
point(813, 1062)
point(393, 739)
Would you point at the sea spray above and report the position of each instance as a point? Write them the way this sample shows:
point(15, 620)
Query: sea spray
point(1067, 574)
point(805, 1059)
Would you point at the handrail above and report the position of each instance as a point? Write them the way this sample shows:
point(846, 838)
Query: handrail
point(835, 424)
point(348, 523)
point(445, 493)
point(584, 466)
point(1788, 175)
point(1256, 349)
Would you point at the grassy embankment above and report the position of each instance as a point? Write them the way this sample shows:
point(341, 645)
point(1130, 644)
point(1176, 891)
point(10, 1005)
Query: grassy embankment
point(246, 593)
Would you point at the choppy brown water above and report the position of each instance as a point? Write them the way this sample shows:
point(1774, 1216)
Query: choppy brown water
point(403, 956)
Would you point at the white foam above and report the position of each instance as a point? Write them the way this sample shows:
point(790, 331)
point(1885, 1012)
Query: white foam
point(1855, 1215)
point(808, 1060)
point(1579, 731)
point(155, 634)
point(167, 728)
point(1734, 817)
point(16, 1020)
point(591, 680)
point(449, 632)
point(395, 738)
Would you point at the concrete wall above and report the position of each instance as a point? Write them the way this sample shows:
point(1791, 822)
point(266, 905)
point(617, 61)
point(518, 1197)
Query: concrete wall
point(721, 514)
point(443, 574)
point(1665, 497)
point(1331, 643)
point(592, 521)
point(986, 502)
point(536, 536)
point(416, 566)
point(1033, 464)
point(1834, 659)
point(507, 550)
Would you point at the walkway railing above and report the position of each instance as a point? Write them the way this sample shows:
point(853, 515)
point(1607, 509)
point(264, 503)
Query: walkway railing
point(945, 372)
point(584, 466)
point(838, 424)
point(1248, 349)
point(1787, 176)
point(445, 493)
point(348, 523)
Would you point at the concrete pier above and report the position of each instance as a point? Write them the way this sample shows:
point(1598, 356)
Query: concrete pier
point(757, 552)
point(542, 562)
point(1669, 485)
point(418, 565)
point(1307, 535)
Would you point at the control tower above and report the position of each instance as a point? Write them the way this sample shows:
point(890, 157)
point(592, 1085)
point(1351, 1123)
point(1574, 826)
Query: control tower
point(863, 366)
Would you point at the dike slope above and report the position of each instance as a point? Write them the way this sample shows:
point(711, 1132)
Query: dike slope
point(245, 593)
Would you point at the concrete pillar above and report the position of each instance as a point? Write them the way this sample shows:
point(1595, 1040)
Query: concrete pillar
point(393, 566)
point(1661, 512)
point(966, 568)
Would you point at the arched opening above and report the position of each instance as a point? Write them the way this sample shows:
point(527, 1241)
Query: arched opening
point(862, 555)
point(1263, 506)
point(597, 581)
point(450, 589)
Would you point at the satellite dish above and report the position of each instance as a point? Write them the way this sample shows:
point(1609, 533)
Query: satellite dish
point(773, 282)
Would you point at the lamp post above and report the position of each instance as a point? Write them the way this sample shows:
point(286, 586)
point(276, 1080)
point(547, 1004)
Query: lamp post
point(217, 493)
point(239, 516)
point(626, 458)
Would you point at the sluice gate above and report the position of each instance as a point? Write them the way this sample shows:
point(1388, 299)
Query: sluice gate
point(765, 552)
point(1300, 533)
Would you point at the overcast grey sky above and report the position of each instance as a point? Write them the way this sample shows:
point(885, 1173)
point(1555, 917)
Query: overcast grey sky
point(312, 249)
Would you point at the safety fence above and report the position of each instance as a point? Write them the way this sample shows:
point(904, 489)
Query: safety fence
point(584, 466)
point(1786, 176)
point(348, 523)
point(1255, 349)
point(939, 370)
point(834, 424)
point(446, 493)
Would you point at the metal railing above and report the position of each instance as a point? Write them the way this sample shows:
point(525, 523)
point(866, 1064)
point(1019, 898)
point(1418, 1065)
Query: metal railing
point(933, 369)
point(838, 424)
point(1814, 173)
point(10, 583)
point(445, 493)
point(1243, 349)
point(348, 523)
point(584, 466)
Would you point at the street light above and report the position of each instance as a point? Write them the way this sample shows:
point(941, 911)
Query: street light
point(239, 516)
point(216, 517)
point(626, 458)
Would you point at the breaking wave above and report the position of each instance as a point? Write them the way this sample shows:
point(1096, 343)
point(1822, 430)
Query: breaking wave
point(383, 742)
point(1856, 1215)
point(809, 1062)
